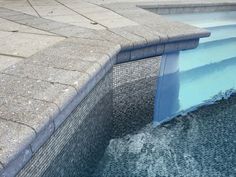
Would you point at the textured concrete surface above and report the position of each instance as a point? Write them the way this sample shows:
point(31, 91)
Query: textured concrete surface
point(53, 52)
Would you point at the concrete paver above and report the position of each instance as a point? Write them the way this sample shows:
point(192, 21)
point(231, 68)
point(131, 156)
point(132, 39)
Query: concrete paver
point(7, 61)
point(73, 78)
point(33, 113)
point(25, 45)
point(9, 26)
point(13, 137)
point(36, 89)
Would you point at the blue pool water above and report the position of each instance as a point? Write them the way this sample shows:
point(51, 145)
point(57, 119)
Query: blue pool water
point(200, 143)
point(205, 74)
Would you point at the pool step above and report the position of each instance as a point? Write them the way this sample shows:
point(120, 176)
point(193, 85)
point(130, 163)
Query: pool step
point(207, 53)
point(220, 33)
point(200, 85)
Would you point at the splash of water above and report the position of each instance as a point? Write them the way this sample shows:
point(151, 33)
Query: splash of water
point(201, 143)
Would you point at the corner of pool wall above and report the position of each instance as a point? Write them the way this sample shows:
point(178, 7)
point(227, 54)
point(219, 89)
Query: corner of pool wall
point(167, 93)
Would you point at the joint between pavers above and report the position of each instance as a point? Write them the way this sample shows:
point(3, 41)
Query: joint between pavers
point(33, 8)
point(9, 55)
point(2, 72)
point(121, 37)
point(80, 13)
point(20, 124)
point(43, 101)
point(32, 26)
point(139, 36)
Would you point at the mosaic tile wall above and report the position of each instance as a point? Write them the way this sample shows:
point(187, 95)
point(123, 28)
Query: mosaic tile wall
point(134, 87)
point(121, 103)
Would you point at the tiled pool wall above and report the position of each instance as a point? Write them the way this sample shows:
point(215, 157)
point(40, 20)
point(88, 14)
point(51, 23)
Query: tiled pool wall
point(122, 102)
point(188, 8)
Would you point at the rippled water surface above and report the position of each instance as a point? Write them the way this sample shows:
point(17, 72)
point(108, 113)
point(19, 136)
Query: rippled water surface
point(202, 143)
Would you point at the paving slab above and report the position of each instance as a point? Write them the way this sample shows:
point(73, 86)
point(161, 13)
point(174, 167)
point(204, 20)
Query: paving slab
point(106, 47)
point(7, 61)
point(6, 25)
point(25, 45)
point(91, 25)
point(69, 18)
point(19, 17)
point(53, 10)
point(126, 44)
point(69, 30)
point(76, 49)
point(42, 23)
point(4, 34)
point(137, 40)
point(73, 78)
point(20, 7)
point(43, 3)
point(61, 95)
point(34, 113)
point(14, 138)
point(117, 22)
point(6, 12)
point(60, 62)
point(152, 37)
point(174, 30)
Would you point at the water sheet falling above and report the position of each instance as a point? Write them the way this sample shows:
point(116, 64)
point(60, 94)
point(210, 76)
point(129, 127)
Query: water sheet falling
point(167, 95)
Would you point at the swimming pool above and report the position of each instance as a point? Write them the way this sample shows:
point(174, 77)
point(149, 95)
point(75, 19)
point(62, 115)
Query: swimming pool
point(202, 75)
point(199, 143)
point(111, 132)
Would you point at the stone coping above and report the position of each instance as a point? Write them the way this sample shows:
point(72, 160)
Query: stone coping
point(188, 7)
point(39, 93)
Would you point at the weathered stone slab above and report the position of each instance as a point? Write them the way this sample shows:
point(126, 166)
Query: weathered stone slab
point(152, 37)
point(14, 139)
point(18, 17)
point(25, 45)
point(136, 40)
point(41, 23)
point(59, 94)
point(6, 61)
point(73, 78)
point(69, 30)
point(60, 62)
point(34, 113)
point(106, 47)
point(6, 25)
point(4, 12)
point(106, 35)
point(117, 22)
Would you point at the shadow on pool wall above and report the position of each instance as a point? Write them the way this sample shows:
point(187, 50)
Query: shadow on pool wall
point(120, 104)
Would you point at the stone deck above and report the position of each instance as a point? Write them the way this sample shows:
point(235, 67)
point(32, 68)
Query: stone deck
point(53, 52)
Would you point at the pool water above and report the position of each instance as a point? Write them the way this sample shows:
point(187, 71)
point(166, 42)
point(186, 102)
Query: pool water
point(205, 74)
point(201, 142)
